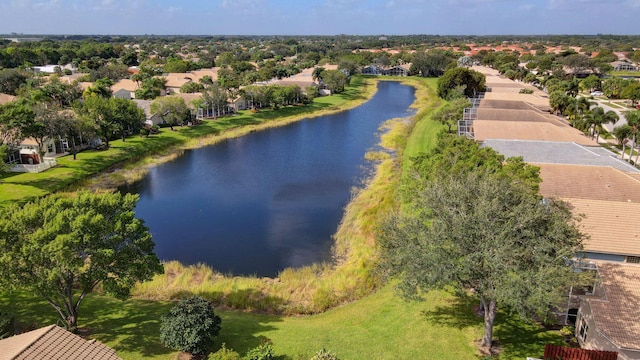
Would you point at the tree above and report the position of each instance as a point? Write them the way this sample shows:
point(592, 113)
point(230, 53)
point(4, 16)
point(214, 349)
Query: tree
point(622, 134)
point(101, 87)
point(633, 120)
point(631, 92)
point(590, 83)
point(190, 327)
point(151, 88)
point(3, 155)
point(112, 116)
point(450, 113)
point(597, 117)
point(10, 81)
point(430, 64)
point(14, 116)
point(335, 80)
point(460, 81)
point(484, 234)
point(171, 109)
point(61, 247)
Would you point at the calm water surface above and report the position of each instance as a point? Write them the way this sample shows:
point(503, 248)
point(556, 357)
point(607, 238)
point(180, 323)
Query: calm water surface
point(268, 200)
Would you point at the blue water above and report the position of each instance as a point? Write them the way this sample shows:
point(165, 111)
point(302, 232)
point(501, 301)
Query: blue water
point(268, 200)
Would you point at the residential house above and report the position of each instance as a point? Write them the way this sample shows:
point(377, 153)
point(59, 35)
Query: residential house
point(51, 343)
point(175, 81)
point(151, 118)
point(372, 70)
point(125, 89)
point(623, 66)
point(608, 318)
point(398, 70)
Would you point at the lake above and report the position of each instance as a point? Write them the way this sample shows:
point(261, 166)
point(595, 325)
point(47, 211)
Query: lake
point(271, 199)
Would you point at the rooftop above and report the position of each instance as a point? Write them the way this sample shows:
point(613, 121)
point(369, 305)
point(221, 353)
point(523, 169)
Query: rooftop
point(51, 343)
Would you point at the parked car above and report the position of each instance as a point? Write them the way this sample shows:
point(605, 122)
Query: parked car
point(597, 93)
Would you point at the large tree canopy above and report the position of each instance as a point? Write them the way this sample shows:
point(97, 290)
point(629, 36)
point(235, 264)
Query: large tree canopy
point(481, 229)
point(61, 247)
point(460, 81)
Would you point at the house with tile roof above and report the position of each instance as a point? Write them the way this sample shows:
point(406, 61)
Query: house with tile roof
point(597, 185)
point(608, 318)
point(53, 343)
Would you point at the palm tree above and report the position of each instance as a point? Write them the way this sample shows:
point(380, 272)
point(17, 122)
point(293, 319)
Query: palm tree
point(597, 117)
point(633, 120)
point(622, 133)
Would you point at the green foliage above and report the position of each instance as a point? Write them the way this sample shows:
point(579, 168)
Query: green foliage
point(456, 155)
point(460, 81)
point(190, 326)
point(263, 351)
point(7, 326)
point(172, 109)
point(335, 80)
point(451, 112)
point(224, 354)
point(526, 91)
point(11, 80)
point(324, 355)
point(432, 63)
point(474, 221)
point(61, 247)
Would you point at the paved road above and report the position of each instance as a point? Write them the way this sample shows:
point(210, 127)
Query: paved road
point(549, 152)
point(609, 127)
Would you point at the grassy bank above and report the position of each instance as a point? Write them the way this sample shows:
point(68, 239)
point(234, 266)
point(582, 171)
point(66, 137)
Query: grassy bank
point(317, 287)
point(379, 326)
point(133, 156)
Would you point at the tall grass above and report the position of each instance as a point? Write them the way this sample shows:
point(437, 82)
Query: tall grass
point(316, 287)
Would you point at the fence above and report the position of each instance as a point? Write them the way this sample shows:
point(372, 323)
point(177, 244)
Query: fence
point(555, 352)
point(35, 168)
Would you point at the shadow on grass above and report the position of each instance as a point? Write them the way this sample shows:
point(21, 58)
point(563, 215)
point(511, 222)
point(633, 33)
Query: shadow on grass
point(459, 313)
point(519, 338)
point(133, 326)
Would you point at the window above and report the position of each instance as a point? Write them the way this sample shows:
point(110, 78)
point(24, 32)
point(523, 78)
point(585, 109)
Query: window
point(633, 259)
point(583, 329)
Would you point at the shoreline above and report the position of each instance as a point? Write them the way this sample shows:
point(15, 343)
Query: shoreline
point(349, 276)
point(131, 171)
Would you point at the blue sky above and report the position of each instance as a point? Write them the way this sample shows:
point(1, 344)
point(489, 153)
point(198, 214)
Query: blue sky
point(320, 17)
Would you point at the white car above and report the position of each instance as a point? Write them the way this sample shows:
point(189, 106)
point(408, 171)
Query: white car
point(597, 93)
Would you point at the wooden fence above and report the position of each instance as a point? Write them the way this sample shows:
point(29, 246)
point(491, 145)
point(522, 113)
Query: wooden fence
point(554, 352)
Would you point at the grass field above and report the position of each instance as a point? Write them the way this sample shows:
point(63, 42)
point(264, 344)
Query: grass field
point(379, 326)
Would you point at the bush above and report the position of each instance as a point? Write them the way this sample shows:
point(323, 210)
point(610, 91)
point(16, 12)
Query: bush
point(6, 324)
point(224, 354)
point(324, 355)
point(526, 91)
point(263, 351)
point(190, 326)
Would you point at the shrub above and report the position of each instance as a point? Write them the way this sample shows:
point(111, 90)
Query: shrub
point(526, 91)
point(6, 324)
point(225, 354)
point(324, 355)
point(190, 326)
point(263, 351)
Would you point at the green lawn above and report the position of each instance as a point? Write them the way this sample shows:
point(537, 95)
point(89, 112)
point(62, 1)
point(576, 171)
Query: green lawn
point(380, 326)
point(625, 73)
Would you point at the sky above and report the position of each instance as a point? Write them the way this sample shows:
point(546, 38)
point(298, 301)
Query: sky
point(320, 17)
